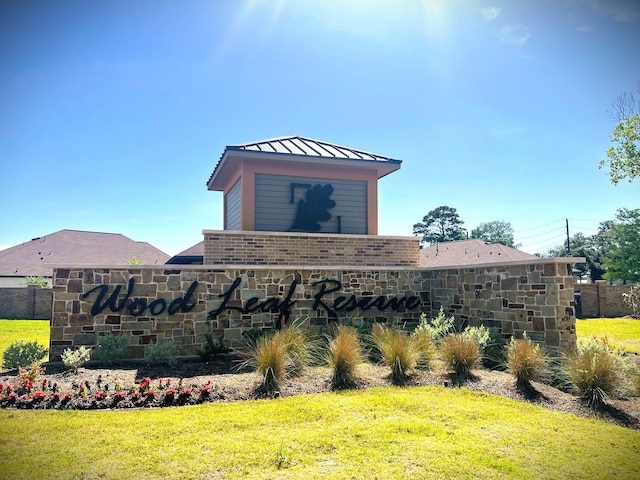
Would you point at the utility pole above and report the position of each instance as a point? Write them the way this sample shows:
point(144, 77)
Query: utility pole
point(568, 242)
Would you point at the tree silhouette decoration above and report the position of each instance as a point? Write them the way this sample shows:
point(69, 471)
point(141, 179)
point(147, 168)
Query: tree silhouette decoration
point(314, 209)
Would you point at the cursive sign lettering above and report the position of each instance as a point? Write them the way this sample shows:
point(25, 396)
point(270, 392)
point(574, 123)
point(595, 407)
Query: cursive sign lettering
point(138, 306)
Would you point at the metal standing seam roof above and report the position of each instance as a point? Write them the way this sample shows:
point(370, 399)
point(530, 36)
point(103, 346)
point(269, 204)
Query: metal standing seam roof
point(309, 147)
point(301, 146)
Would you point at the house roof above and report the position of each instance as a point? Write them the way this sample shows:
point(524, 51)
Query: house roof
point(75, 247)
point(301, 149)
point(191, 256)
point(469, 252)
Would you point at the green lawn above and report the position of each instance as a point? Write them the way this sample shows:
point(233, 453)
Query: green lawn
point(625, 331)
point(27, 330)
point(421, 432)
point(385, 433)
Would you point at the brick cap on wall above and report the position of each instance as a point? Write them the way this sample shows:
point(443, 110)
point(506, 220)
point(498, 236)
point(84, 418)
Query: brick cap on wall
point(305, 234)
point(222, 267)
point(534, 261)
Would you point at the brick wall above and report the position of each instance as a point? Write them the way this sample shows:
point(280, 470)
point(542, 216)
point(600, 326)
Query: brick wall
point(274, 248)
point(29, 303)
point(536, 298)
point(602, 300)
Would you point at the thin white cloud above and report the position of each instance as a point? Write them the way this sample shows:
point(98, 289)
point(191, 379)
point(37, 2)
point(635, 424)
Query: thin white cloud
point(514, 34)
point(490, 13)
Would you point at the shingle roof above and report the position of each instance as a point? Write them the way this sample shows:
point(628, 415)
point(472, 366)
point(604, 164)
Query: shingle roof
point(469, 252)
point(75, 247)
point(304, 148)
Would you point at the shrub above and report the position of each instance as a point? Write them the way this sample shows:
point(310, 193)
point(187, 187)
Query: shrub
point(438, 327)
point(460, 354)
point(481, 336)
point(23, 354)
point(493, 354)
point(345, 354)
point(526, 361)
point(596, 374)
point(161, 354)
point(74, 359)
point(212, 347)
point(112, 349)
point(399, 351)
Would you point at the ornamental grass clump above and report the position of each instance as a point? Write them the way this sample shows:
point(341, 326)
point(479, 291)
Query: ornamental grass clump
point(596, 372)
point(426, 348)
point(460, 353)
point(526, 361)
point(398, 349)
point(344, 355)
point(299, 347)
point(271, 359)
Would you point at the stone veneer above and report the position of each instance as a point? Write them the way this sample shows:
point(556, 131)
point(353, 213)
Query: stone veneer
point(536, 298)
point(280, 248)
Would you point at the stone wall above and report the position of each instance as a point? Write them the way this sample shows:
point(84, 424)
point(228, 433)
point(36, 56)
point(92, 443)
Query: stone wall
point(602, 300)
point(275, 248)
point(155, 304)
point(30, 303)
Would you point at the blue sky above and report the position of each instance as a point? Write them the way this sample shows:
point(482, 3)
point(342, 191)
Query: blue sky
point(114, 114)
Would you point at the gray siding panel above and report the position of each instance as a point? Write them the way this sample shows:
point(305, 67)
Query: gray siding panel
point(233, 210)
point(274, 212)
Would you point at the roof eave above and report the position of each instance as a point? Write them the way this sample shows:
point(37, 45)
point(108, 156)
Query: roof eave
point(222, 172)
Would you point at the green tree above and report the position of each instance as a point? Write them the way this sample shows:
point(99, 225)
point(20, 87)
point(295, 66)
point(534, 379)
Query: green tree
point(440, 225)
point(496, 231)
point(592, 248)
point(623, 157)
point(623, 258)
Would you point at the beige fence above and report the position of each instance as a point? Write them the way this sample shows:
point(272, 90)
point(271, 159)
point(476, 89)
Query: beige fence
point(601, 300)
point(29, 303)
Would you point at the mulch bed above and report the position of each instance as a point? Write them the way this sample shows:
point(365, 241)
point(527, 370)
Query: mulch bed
point(140, 386)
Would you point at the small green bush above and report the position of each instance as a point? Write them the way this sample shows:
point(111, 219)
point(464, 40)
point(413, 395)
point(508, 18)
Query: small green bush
point(112, 349)
point(161, 354)
point(74, 359)
point(526, 361)
point(345, 354)
point(438, 327)
point(460, 354)
point(23, 354)
point(493, 354)
point(213, 347)
point(480, 334)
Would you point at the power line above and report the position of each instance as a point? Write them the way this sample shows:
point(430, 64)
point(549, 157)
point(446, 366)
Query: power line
point(541, 226)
